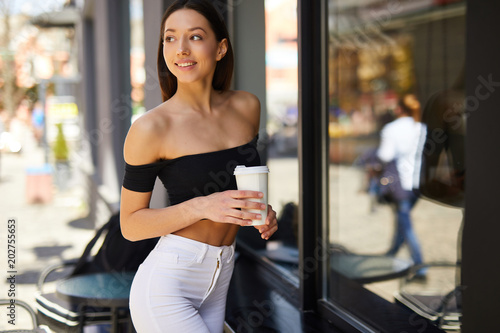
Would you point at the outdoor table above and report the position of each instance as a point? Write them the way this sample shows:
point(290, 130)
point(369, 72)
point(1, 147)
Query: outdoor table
point(369, 268)
point(357, 267)
point(100, 290)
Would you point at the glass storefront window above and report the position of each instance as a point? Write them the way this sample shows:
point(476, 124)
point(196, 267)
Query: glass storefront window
point(396, 93)
point(137, 58)
point(282, 128)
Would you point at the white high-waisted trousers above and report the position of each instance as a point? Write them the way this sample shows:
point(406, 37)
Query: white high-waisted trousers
point(182, 287)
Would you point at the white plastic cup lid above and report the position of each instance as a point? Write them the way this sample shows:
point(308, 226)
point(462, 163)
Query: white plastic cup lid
point(243, 170)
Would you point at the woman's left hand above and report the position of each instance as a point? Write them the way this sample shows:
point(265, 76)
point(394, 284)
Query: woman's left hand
point(271, 226)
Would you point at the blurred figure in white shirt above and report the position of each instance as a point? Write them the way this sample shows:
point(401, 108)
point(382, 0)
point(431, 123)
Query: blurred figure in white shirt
point(402, 142)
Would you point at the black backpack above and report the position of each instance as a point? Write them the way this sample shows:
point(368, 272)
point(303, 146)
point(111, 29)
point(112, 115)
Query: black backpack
point(116, 253)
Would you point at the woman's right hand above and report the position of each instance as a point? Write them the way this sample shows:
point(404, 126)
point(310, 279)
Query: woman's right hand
point(230, 207)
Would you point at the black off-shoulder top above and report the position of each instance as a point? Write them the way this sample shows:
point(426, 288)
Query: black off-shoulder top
point(194, 175)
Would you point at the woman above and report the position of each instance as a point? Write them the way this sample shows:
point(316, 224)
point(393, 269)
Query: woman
point(402, 142)
point(192, 142)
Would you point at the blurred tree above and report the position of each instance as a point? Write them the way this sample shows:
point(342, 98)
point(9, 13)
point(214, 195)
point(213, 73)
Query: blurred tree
point(60, 148)
point(10, 94)
point(8, 69)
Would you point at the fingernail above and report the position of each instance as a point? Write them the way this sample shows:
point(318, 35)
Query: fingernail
point(263, 206)
point(259, 216)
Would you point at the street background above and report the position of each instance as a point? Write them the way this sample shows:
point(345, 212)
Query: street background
point(46, 233)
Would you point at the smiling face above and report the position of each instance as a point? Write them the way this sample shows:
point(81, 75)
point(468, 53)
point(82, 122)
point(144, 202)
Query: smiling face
point(190, 47)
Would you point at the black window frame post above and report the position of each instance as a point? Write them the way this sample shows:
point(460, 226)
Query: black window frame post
point(313, 149)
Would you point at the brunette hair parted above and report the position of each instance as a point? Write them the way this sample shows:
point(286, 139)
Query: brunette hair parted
point(224, 68)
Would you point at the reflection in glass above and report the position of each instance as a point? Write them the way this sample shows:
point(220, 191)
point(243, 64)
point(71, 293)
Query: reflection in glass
point(396, 100)
point(282, 128)
point(137, 58)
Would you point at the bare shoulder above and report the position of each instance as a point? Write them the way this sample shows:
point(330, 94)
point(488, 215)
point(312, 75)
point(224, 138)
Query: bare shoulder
point(143, 142)
point(247, 105)
point(245, 101)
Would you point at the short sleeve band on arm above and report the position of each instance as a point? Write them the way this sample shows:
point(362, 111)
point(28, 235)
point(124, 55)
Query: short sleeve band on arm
point(141, 178)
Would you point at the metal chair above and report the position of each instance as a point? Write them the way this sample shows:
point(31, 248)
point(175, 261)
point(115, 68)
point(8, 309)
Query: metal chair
point(440, 304)
point(36, 328)
point(61, 314)
point(115, 255)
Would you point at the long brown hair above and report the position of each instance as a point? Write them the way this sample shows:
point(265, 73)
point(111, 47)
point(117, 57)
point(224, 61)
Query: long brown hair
point(224, 68)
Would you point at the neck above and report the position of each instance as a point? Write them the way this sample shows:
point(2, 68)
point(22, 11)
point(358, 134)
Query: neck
point(199, 96)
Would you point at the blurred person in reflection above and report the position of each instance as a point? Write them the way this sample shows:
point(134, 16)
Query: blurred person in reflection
point(192, 142)
point(401, 142)
point(443, 166)
point(442, 178)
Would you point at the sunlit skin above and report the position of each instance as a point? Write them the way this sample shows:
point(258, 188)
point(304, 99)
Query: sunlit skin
point(195, 120)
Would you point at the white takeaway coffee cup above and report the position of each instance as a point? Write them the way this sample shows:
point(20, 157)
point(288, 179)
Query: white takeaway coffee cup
point(253, 179)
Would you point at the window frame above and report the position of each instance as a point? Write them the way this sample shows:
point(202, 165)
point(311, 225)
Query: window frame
point(313, 148)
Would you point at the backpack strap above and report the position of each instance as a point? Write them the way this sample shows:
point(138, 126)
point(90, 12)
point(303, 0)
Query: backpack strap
point(85, 255)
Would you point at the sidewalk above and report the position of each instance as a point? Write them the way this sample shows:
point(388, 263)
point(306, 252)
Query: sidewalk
point(45, 234)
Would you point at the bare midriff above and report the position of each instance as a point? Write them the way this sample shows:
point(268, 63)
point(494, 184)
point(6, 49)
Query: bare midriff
point(210, 232)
